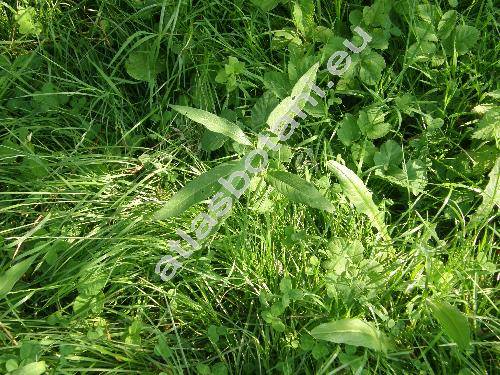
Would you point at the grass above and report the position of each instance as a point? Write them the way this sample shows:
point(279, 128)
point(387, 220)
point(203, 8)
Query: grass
point(88, 153)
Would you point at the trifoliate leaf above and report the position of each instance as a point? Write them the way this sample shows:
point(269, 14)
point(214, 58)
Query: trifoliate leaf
point(380, 38)
point(416, 174)
point(390, 154)
point(465, 38)
point(348, 130)
point(425, 32)
point(428, 13)
point(422, 50)
point(378, 14)
point(446, 24)
point(371, 66)
point(371, 123)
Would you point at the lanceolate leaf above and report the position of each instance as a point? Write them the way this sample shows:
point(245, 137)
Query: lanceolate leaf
point(359, 196)
point(12, 275)
point(298, 190)
point(453, 322)
point(352, 332)
point(303, 86)
point(491, 195)
point(214, 123)
point(197, 190)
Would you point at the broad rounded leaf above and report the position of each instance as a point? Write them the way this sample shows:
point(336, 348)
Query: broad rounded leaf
point(465, 38)
point(35, 368)
point(453, 322)
point(348, 131)
point(142, 66)
point(371, 66)
point(447, 23)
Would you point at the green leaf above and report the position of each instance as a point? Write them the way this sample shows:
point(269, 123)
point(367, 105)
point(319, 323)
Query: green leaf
point(211, 141)
point(371, 123)
point(370, 68)
point(390, 154)
point(428, 12)
point(142, 65)
point(25, 18)
point(378, 14)
point(425, 32)
point(298, 190)
point(262, 109)
point(214, 123)
point(380, 39)
point(447, 24)
point(488, 128)
point(491, 195)
point(212, 333)
point(359, 196)
point(277, 82)
point(452, 321)
point(197, 190)
point(11, 365)
point(303, 15)
point(465, 38)
point(352, 332)
point(265, 5)
point(286, 285)
point(10, 277)
point(303, 86)
point(162, 348)
point(348, 131)
point(35, 368)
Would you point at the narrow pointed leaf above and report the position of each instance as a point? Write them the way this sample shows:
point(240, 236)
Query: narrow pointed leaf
point(214, 123)
point(10, 277)
point(453, 322)
point(359, 195)
point(298, 190)
point(303, 86)
point(197, 190)
point(352, 332)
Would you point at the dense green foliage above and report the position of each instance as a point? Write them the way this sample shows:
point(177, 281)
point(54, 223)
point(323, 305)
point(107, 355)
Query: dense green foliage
point(369, 244)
